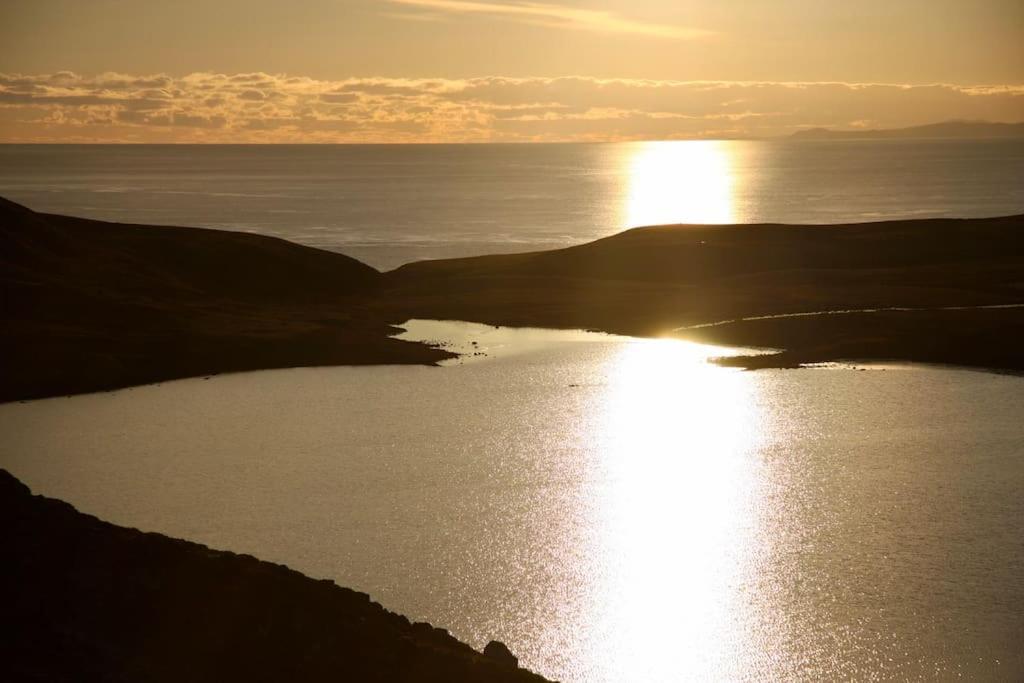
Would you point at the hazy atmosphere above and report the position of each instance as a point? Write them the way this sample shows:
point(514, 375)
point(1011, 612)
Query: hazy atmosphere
point(469, 71)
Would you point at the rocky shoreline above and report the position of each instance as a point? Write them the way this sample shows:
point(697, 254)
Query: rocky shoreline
point(87, 600)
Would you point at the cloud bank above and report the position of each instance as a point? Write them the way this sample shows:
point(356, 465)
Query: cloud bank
point(259, 107)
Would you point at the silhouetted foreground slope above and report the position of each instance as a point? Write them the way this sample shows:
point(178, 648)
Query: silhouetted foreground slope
point(89, 305)
point(84, 600)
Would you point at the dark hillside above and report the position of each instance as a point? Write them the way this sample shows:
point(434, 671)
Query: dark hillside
point(85, 600)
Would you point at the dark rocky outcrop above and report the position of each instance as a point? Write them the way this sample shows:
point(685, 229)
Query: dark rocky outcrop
point(500, 653)
point(84, 600)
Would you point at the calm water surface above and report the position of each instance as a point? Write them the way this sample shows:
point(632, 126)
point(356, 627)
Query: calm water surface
point(389, 205)
point(614, 509)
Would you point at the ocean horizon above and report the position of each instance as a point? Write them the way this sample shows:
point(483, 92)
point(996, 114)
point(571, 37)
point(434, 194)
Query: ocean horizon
point(393, 204)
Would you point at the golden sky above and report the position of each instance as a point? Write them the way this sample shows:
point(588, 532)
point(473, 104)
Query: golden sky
point(501, 70)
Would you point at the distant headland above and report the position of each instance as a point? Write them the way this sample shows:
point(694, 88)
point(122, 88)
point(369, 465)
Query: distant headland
point(976, 130)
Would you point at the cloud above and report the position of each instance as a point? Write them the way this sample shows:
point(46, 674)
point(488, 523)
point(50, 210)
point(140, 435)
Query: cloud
point(555, 16)
point(259, 107)
point(339, 98)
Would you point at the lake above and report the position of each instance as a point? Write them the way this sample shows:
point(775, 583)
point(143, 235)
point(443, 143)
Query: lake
point(614, 509)
point(392, 204)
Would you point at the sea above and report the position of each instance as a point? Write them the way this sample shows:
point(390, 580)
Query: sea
point(391, 204)
point(612, 508)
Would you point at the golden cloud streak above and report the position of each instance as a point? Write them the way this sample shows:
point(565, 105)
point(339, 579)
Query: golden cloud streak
point(557, 16)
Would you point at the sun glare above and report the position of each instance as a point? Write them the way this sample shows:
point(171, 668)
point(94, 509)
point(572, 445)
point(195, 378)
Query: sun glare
point(678, 511)
point(690, 181)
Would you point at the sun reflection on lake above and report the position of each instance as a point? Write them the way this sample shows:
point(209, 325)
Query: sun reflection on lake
point(613, 509)
point(690, 181)
point(678, 514)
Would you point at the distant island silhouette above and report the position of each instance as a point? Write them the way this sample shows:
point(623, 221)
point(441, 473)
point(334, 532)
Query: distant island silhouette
point(948, 129)
point(91, 305)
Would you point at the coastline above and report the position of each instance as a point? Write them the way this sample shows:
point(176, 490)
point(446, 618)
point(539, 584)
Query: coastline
point(977, 339)
point(94, 306)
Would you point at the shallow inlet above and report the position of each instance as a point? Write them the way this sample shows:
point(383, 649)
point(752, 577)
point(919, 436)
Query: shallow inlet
point(612, 508)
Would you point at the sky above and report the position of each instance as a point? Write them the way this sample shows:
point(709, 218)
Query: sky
point(498, 70)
